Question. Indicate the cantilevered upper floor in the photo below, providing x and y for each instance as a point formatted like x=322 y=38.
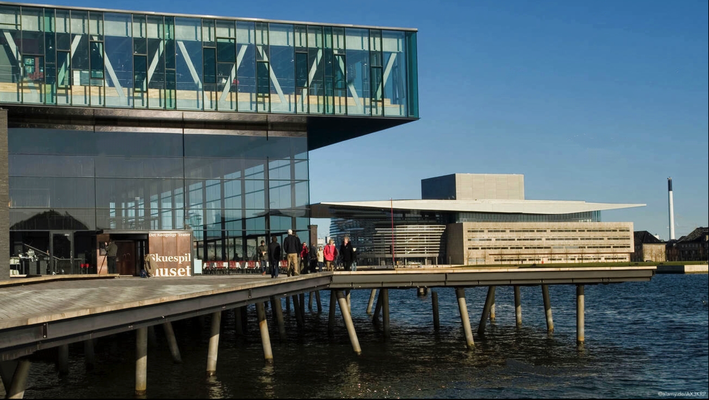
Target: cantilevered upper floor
x=97 y=58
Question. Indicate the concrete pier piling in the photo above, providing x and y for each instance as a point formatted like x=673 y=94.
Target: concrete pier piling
x=492 y=307
x=580 y=309
x=331 y=319
x=317 y=300
x=434 y=304
x=263 y=327
x=296 y=310
x=349 y=303
x=310 y=301
x=278 y=312
x=214 y=343
x=141 y=361
x=372 y=296
x=63 y=359
x=518 y=307
x=287 y=304
x=302 y=308
x=345 y=310
x=238 y=321
x=16 y=385
x=464 y=317
x=547 y=309
x=378 y=307
x=172 y=342
x=489 y=301
x=89 y=355
x=385 y=312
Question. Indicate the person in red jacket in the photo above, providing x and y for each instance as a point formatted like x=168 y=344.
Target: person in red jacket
x=304 y=257
x=330 y=253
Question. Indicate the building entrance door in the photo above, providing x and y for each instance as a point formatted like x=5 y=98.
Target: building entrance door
x=61 y=253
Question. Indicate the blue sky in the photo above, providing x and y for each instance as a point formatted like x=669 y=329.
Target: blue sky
x=599 y=100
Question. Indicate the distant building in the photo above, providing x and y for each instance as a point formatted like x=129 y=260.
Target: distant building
x=478 y=219
x=693 y=247
x=648 y=247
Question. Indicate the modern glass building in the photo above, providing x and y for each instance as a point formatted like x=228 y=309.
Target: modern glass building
x=119 y=124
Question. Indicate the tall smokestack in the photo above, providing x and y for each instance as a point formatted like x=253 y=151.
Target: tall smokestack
x=672 y=209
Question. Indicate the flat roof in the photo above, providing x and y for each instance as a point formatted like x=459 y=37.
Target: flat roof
x=550 y=207
x=204 y=16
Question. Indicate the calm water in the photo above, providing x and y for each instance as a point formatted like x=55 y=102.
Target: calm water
x=641 y=339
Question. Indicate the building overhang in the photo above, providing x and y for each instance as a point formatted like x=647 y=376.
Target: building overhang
x=548 y=207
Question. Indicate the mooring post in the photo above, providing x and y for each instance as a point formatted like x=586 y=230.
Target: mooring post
x=464 y=318
x=547 y=309
x=141 y=361
x=317 y=299
x=172 y=342
x=263 y=327
x=89 y=355
x=372 y=296
x=333 y=306
x=492 y=307
x=296 y=310
x=434 y=303
x=580 y=315
x=16 y=389
x=489 y=301
x=518 y=307
x=345 y=310
x=63 y=359
x=385 y=312
x=214 y=343
x=278 y=312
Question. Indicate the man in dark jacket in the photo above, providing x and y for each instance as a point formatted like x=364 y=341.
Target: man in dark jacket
x=291 y=246
x=347 y=253
x=274 y=256
x=313 y=258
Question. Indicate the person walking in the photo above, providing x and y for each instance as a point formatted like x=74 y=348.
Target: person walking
x=330 y=253
x=291 y=246
x=111 y=252
x=313 y=254
x=274 y=256
x=262 y=256
x=347 y=253
x=321 y=258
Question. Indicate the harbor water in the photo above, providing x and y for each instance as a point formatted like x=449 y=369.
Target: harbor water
x=645 y=339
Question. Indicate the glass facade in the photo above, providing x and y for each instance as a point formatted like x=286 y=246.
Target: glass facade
x=230 y=191
x=101 y=58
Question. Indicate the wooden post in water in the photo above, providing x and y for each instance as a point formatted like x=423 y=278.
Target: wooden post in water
x=518 y=307
x=263 y=327
x=434 y=303
x=345 y=310
x=287 y=304
x=372 y=296
x=317 y=299
x=310 y=301
x=302 y=308
x=385 y=312
x=547 y=309
x=278 y=312
x=489 y=301
x=214 y=343
x=172 y=342
x=89 y=356
x=16 y=385
x=333 y=306
x=63 y=359
x=580 y=315
x=464 y=318
x=141 y=361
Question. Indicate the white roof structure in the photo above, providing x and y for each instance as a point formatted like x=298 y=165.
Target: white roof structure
x=323 y=210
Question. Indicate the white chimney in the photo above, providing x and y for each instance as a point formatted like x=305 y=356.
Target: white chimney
x=672 y=209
